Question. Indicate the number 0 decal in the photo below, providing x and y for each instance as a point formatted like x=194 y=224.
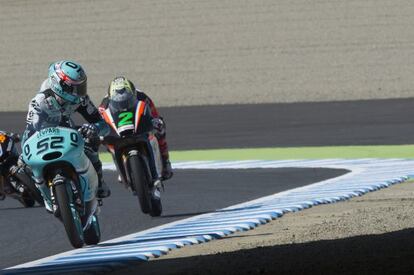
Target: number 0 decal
x=74 y=139
x=73 y=66
x=125 y=118
x=26 y=150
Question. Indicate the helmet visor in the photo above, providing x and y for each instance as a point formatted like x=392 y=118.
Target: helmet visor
x=79 y=90
x=122 y=100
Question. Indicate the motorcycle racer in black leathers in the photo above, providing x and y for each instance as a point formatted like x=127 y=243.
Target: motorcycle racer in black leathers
x=122 y=91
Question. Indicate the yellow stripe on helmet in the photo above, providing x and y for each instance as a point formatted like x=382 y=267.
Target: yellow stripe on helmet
x=119 y=83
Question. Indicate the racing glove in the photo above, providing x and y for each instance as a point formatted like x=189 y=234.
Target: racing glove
x=90 y=134
x=159 y=126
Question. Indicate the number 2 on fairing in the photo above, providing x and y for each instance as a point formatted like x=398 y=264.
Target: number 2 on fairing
x=125 y=118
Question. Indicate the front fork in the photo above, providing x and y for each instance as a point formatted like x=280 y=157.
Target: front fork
x=155 y=181
x=75 y=195
x=86 y=209
x=124 y=158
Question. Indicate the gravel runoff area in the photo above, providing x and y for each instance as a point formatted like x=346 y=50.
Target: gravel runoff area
x=372 y=234
x=197 y=52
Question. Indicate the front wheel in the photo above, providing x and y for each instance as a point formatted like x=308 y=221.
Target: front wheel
x=69 y=215
x=140 y=182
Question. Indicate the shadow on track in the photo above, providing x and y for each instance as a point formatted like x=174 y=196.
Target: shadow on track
x=186 y=214
x=19 y=208
x=389 y=253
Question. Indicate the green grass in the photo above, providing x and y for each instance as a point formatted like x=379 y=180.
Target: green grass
x=323 y=152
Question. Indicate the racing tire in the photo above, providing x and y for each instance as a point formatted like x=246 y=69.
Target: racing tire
x=27 y=201
x=30 y=187
x=92 y=235
x=140 y=182
x=156 y=207
x=34 y=192
x=69 y=215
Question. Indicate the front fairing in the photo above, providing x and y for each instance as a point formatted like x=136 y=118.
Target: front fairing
x=51 y=145
x=131 y=121
x=134 y=131
x=59 y=147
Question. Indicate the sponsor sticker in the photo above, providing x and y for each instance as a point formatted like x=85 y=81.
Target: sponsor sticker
x=48 y=132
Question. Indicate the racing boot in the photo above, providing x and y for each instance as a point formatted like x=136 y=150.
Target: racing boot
x=103 y=189
x=90 y=134
x=167 y=172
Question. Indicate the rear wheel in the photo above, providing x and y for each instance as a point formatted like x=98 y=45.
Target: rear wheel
x=34 y=192
x=69 y=215
x=140 y=182
x=156 y=206
x=27 y=201
x=92 y=235
x=23 y=176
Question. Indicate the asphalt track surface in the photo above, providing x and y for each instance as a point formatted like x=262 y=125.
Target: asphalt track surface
x=193 y=192
x=370 y=122
x=30 y=234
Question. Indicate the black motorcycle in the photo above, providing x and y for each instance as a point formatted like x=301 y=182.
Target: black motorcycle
x=15 y=179
x=134 y=148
